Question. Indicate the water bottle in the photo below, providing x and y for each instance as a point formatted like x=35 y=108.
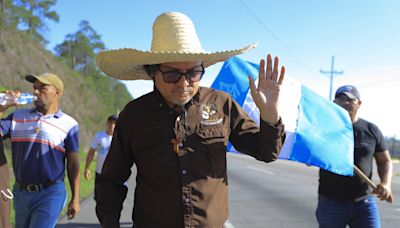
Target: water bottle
x=24 y=98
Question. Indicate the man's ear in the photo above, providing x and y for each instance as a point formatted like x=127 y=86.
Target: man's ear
x=58 y=92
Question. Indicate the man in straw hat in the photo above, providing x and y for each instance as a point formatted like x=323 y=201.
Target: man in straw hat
x=177 y=134
x=42 y=138
x=344 y=200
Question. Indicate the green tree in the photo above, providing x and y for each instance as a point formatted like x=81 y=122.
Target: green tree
x=32 y=15
x=79 y=50
x=9 y=14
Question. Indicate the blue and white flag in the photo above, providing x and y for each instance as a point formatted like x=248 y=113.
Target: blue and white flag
x=318 y=132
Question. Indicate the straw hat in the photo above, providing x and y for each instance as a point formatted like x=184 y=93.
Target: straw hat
x=174 y=40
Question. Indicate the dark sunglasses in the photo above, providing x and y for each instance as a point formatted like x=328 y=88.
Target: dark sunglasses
x=193 y=75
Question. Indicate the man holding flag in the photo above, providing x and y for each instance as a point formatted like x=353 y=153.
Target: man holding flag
x=177 y=135
x=320 y=133
x=345 y=200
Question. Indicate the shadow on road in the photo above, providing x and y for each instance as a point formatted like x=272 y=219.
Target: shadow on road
x=89 y=225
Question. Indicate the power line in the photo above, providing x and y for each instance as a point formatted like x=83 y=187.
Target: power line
x=332 y=72
x=275 y=36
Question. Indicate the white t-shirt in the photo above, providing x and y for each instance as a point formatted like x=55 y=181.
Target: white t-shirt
x=101 y=143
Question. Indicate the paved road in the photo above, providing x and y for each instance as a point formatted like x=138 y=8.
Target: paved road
x=87 y=217
x=280 y=194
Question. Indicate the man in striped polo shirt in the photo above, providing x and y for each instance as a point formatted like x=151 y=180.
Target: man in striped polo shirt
x=42 y=138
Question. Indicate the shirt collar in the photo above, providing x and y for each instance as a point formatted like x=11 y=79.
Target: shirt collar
x=57 y=115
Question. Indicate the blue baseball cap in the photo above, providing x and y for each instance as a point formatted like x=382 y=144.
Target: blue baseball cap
x=349 y=90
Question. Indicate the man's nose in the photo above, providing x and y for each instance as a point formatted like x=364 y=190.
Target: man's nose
x=183 y=81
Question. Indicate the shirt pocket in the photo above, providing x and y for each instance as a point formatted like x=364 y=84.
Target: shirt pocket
x=211 y=133
x=211 y=152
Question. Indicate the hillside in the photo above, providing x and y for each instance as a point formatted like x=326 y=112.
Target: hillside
x=88 y=99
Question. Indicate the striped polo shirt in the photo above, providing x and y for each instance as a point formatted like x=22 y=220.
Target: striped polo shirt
x=40 y=144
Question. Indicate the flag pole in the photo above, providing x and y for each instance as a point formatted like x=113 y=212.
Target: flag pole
x=364 y=177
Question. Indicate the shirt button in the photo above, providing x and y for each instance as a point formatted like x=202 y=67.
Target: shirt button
x=187 y=200
x=180 y=144
x=184 y=172
x=178 y=118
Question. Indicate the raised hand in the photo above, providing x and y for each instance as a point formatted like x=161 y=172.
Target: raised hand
x=14 y=93
x=266 y=94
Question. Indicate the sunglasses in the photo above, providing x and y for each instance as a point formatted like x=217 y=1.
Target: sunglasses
x=193 y=75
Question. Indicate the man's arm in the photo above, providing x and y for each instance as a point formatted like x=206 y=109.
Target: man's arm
x=73 y=177
x=89 y=159
x=110 y=188
x=385 y=171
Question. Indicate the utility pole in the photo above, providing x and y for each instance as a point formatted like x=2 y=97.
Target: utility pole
x=331 y=72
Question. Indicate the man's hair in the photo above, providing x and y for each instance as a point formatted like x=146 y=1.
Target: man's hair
x=151 y=69
x=112 y=118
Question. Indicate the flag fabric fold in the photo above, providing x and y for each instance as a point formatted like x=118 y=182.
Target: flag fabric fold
x=318 y=132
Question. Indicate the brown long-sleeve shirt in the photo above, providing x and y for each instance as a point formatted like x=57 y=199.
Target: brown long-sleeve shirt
x=181 y=159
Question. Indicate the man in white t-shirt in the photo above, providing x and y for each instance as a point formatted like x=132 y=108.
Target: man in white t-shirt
x=101 y=143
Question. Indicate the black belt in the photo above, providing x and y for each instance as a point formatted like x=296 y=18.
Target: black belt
x=364 y=197
x=361 y=198
x=36 y=187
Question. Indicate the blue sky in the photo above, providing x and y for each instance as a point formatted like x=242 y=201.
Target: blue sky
x=362 y=35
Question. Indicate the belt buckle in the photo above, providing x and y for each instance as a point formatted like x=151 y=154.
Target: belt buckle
x=361 y=198
x=33 y=187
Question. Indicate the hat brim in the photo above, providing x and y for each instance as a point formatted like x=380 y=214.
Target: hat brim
x=32 y=78
x=350 y=95
x=127 y=63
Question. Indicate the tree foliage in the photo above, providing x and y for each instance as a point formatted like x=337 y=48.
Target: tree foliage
x=78 y=50
x=28 y=15
x=8 y=14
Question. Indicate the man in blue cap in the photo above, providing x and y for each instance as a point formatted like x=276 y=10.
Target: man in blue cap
x=345 y=200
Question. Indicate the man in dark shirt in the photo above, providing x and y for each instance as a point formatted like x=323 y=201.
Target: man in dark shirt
x=177 y=134
x=345 y=200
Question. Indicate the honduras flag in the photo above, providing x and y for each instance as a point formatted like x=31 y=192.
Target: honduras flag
x=318 y=132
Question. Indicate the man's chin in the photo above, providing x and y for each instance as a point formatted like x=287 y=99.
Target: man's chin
x=183 y=101
x=39 y=105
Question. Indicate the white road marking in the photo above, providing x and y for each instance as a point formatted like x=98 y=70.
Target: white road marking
x=260 y=170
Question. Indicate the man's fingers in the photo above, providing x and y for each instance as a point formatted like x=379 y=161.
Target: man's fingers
x=274 y=75
x=282 y=76
x=71 y=213
x=269 y=63
x=261 y=73
x=253 y=89
x=390 y=198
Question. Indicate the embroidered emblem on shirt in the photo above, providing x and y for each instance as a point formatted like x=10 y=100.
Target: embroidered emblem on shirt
x=208 y=113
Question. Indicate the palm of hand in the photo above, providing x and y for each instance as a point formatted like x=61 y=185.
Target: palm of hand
x=268 y=89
